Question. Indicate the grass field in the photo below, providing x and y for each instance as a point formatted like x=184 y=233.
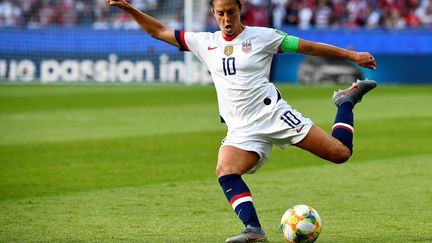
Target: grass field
x=136 y=164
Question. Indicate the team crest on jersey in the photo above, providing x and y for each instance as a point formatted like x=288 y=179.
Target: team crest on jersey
x=247 y=46
x=229 y=50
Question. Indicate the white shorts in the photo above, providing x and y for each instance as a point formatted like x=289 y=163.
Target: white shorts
x=283 y=127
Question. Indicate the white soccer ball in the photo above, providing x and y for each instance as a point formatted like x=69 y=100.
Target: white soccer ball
x=301 y=223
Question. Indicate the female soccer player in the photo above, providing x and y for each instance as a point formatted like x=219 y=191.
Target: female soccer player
x=239 y=59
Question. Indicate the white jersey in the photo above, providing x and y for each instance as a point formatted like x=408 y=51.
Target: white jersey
x=240 y=69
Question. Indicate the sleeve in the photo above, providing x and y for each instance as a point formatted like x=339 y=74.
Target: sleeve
x=192 y=41
x=180 y=37
x=270 y=39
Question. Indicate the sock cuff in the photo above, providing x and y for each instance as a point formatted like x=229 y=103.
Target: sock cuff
x=229 y=177
x=342 y=125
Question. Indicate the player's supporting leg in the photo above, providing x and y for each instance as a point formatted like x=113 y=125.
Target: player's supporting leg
x=240 y=198
x=232 y=163
x=345 y=100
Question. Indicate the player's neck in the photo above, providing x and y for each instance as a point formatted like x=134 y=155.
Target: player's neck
x=232 y=37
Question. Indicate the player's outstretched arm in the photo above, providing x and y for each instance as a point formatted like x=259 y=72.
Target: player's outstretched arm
x=364 y=59
x=149 y=24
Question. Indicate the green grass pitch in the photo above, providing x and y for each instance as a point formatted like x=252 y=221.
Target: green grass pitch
x=136 y=163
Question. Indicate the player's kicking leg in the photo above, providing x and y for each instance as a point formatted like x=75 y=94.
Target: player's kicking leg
x=338 y=147
x=345 y=100
x=355 y=93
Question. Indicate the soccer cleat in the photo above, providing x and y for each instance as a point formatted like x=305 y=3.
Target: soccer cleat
x=250 y=234
x=355 y=93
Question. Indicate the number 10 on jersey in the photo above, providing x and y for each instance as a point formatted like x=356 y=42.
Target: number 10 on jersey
x=229 y=66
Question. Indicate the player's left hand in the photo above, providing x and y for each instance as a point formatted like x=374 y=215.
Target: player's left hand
x=365 y=59
x=123 y=4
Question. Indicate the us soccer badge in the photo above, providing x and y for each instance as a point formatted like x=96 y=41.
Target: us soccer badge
x=247 y=46
x=229 y=50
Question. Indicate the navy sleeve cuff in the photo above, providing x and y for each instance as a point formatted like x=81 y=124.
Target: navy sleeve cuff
x=179 y=35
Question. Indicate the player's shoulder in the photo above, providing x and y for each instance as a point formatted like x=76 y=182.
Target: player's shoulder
x=260 y=30
x=200 y=34
x=204 y=36
x=263 y=33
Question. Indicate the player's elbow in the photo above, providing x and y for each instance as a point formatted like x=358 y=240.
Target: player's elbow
x=160 y=33
x=154 y=35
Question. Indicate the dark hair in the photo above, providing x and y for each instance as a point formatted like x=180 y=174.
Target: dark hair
x=237 y=1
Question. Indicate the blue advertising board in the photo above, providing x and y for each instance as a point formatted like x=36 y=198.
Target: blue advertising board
x=83 y=54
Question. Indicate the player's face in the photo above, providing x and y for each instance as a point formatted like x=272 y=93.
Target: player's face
x=227 y=14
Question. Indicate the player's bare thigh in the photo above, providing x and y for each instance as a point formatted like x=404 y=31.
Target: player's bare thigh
x=232 y=160
x=324 y=145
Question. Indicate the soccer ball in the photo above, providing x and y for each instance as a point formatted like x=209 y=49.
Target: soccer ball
x=301 y=223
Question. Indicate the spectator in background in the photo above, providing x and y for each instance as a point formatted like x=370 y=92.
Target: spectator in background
x=101 y=23
x=84 y=12
x=65 y=14
x=408 y=13
x=145 y=4
x=256 y=13
x=139 y=4
x=121 y=20
x=339 y=15
x=101 y=14
x=323 y=14
x=305 y=15
x=374 y=18
x=278 y=12
x=10 y=13
x=411 y=19
x=291 y=13
x=424 y=12
x=26 y=8
x=357 y=12
x=46 y=13
x=392 y=18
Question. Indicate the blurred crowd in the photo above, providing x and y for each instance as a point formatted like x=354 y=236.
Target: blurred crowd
x=389 y=14
x=42 y=13
x=339 y=13
x=275 y=13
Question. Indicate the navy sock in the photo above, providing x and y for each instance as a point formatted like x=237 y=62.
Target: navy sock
x=240 y=198
x=343 y=128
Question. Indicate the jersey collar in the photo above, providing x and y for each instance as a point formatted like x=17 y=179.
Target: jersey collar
x=231 y=38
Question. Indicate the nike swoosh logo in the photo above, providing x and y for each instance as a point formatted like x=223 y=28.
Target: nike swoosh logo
x=239 y=212
x=211 y=48
x=354 y=88
x=298 y=130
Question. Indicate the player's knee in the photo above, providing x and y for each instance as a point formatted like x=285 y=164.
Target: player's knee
x=222 y=170
x=219 y=171
x=340 y=155
x=341 y=159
